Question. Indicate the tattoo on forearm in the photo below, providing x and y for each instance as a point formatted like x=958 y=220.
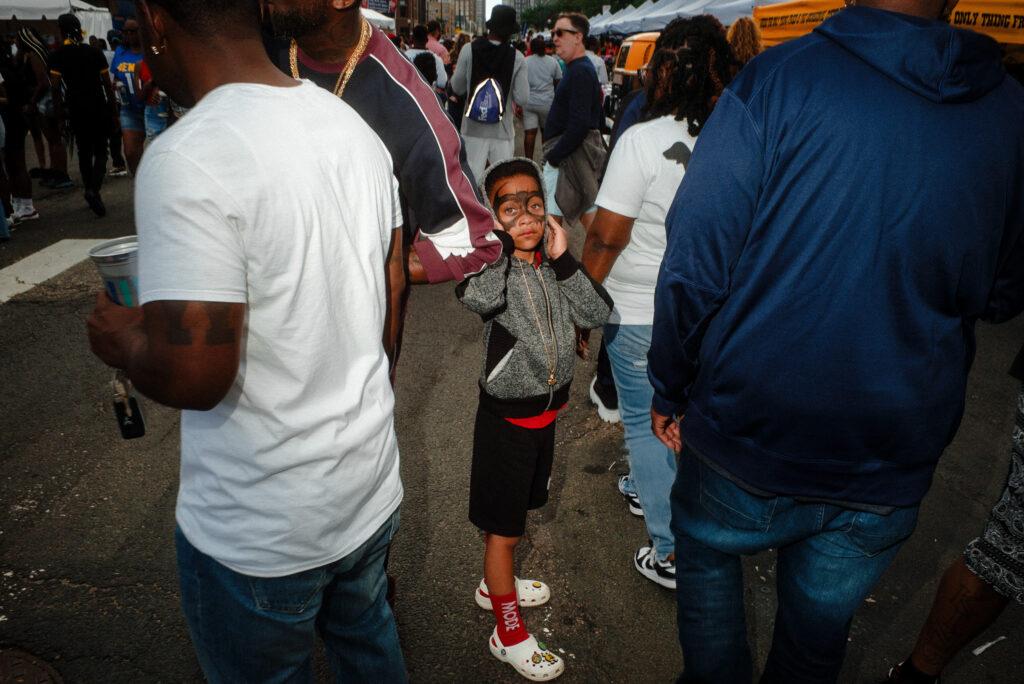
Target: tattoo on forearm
x=178 y=334
x=221 y=331
x=184 y=318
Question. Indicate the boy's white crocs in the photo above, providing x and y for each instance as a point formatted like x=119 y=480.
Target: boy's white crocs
x=531 y=593
x=530 y=658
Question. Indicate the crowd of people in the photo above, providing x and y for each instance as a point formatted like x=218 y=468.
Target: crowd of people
x=68 y=93
x=786 y=268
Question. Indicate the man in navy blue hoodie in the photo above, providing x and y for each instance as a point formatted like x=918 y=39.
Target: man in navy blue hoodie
x=853 y=206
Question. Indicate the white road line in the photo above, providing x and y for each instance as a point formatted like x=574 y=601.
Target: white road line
x=37 y=268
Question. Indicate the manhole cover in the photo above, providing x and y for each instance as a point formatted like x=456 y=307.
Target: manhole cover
x=18 y=667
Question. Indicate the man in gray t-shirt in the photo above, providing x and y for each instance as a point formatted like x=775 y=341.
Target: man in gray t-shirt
x=543 y=73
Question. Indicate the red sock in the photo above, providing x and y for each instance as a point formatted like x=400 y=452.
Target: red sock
x=511 y=628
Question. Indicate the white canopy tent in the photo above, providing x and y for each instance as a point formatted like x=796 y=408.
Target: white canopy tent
x=381 y=21
x=614 y=24
x=96 y=21
x=600 y=26
x=33 y=10
x=631 y=24
x=726 y=11
x=659 y=18
x=597 y=18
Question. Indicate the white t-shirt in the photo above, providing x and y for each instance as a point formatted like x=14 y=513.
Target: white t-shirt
x=282 y=199
x=643 y=174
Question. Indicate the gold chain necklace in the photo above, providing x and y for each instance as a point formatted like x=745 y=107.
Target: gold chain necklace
x=350 y=66
x=550 y=356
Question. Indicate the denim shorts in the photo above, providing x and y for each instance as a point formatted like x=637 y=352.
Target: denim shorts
x=132 y=119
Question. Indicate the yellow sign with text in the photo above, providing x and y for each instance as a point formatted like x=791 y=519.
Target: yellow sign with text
x=1003 y=20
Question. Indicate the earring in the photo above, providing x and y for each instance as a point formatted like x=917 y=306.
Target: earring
x=157 y=51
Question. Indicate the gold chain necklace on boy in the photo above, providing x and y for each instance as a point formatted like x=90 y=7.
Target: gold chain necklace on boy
x=364 y=39
x=551 y=357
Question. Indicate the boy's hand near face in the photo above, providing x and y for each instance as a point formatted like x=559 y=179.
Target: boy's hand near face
x=556 y=240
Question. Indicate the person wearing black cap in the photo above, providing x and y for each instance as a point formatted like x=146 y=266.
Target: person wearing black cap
x=87 y=100
x=491 y=59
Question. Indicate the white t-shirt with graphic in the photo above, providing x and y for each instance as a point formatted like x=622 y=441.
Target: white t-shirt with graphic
x=282 y=199
x=643 y=174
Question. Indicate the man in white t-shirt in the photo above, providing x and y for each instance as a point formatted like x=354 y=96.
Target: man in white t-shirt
x=265 y=219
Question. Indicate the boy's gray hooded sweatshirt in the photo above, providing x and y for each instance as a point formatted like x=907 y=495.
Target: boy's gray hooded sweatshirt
x=529 y=317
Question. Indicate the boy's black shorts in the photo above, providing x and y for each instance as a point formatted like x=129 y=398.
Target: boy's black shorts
x=510 y=475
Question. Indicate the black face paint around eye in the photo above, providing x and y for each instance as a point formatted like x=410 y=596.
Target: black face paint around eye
x=529 y=202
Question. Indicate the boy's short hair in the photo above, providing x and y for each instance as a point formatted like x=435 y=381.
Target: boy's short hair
x=517 y=166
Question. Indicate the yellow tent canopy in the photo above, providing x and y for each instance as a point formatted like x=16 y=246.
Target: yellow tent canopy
x=1000 y=19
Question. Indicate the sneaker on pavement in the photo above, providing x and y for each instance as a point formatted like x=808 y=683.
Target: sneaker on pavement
x=607 y=402
x=661 y=572
x=118 y=172
x=632 y=500
x=22 y=215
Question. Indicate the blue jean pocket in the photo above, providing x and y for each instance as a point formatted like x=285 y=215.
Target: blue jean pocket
x=291 y=594
x=872 y=534
x=732 y=505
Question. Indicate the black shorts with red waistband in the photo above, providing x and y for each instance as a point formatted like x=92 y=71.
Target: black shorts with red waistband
x=511 y=473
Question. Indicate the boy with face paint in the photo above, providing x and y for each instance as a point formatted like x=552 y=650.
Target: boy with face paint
x=531 y=300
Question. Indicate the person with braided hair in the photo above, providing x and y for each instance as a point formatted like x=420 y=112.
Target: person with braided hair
x=625 y=246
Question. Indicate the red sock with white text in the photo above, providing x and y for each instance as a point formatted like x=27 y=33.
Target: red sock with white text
x=511 y=628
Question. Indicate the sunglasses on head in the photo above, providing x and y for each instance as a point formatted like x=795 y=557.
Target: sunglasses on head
x=560 y=32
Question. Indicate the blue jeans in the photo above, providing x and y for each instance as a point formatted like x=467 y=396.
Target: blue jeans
x=829 y=558
x=256 y=629
x=652 y=465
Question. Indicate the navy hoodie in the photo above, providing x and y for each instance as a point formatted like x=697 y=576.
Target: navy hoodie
x=854 y=204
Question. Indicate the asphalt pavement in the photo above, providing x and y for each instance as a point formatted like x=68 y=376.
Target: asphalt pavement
x=87 y=573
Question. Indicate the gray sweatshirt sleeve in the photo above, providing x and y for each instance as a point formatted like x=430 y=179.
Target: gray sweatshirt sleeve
x=463 y=69
x=484 y=293
x=589 y=303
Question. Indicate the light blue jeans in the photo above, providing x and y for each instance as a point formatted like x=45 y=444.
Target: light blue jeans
x=652 y=465
x=258 y=629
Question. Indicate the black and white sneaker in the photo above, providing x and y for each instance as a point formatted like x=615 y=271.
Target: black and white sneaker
x=632 y=500
x=606 y=401
x=660 y=572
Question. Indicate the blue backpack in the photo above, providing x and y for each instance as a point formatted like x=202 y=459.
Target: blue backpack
x=490 y=80
x=487 y=105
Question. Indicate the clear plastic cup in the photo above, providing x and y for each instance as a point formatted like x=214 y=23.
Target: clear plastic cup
x=118 y=264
